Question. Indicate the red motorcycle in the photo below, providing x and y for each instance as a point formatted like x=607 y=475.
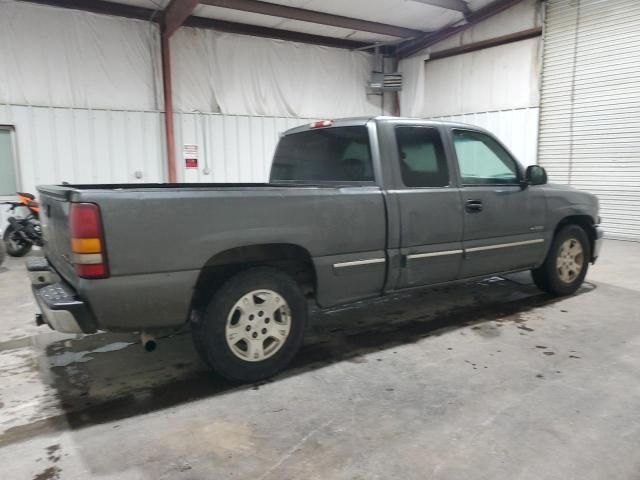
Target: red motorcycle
x=23 y=232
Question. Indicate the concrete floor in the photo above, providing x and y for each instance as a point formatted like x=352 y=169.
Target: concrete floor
x=489 y=381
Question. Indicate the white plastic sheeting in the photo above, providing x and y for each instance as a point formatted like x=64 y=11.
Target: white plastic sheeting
x=413 y=88
x=243 y=75
x=517 y=129
x=497 y=78
x=67 y=58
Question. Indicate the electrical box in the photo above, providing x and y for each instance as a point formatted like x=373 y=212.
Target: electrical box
x=385 y=82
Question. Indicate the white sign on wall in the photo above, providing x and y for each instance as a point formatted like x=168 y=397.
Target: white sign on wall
x=190 y=152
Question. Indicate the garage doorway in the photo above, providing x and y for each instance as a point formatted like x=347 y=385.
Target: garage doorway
x=8 y=170
x=590 y=105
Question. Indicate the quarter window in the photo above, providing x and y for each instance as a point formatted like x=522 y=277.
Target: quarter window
x=482 y=160
x=422 y=159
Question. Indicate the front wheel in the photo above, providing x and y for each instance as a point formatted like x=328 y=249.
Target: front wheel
x=16 y=245
x=567 y=262
x=253 y=325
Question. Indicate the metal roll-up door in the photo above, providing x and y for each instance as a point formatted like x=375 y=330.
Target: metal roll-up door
x=590 y=105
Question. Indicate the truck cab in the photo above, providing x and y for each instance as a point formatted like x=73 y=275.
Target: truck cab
x=458 y=204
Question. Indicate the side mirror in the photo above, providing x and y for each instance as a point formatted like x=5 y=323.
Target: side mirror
x=535 y=175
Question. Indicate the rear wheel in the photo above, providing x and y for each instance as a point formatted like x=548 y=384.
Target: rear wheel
x=16 y=246
x=253 y=326
x=3 y=252
x=567 y=262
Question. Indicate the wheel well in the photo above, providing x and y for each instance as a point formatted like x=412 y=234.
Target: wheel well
x=584 y=221
x=291 y=259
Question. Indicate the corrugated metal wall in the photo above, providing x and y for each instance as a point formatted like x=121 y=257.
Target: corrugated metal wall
x=110 y=146
x=517 y=129
x=589 y=125
x=85 y=146
x=231 y=148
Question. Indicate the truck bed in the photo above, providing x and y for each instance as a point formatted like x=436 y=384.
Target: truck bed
x=159 y=237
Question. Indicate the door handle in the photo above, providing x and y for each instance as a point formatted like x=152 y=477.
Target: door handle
x=473 y=206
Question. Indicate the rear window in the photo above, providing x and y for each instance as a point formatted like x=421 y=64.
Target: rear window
x=330 y=154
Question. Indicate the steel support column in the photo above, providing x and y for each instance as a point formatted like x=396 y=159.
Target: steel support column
x=168 y=106
x=172 y=18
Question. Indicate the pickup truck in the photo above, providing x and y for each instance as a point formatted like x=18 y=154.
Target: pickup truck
x=354 y=209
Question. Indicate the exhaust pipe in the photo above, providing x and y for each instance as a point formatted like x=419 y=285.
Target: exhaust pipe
x=148 y=342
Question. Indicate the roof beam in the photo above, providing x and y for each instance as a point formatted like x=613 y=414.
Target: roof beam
x=411 y=47
x=457 y=5
x=176 y=13
x=101 y=6
x=312 y=16
x=257 y=31
x=483 y=44
x=127 y=11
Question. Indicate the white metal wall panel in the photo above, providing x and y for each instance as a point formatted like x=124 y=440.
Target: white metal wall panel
x=517 y=129
x=109 y=146
x=85 y=146
x=590 y=107
x=231 y=148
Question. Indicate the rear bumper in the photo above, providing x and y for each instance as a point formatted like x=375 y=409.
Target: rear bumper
x=597 y=242
x=61 y=308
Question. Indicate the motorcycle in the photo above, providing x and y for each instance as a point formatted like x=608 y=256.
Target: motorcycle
x=23 y=233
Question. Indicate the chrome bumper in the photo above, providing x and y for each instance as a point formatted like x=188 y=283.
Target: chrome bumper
x=597 y=242
x=58 y=302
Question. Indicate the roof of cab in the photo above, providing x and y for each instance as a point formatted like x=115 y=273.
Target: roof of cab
x=357 y=121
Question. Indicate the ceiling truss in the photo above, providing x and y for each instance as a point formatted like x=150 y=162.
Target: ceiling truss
x=178 y=13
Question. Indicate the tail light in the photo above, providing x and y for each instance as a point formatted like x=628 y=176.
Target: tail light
x=321 y=124
x=87 y=241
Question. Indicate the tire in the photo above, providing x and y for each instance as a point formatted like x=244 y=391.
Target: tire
x=3 y=253
x=254 y=344
x=566 y=264
x=16 y=247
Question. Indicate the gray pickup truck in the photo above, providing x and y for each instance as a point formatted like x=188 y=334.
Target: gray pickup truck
x=354 y=209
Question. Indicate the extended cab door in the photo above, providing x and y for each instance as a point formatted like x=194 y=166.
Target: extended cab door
x=503 y=219
x=428 y=205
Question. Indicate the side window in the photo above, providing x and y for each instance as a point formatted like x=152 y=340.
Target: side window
x=482 y=160
x=422 y=159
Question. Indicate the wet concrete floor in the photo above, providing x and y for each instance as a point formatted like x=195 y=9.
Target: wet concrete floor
x=489 y=380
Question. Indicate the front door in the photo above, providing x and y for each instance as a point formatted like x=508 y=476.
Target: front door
x=429 y=206
x=503 y=220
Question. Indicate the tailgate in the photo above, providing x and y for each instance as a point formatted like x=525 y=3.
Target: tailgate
x=54 y=216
